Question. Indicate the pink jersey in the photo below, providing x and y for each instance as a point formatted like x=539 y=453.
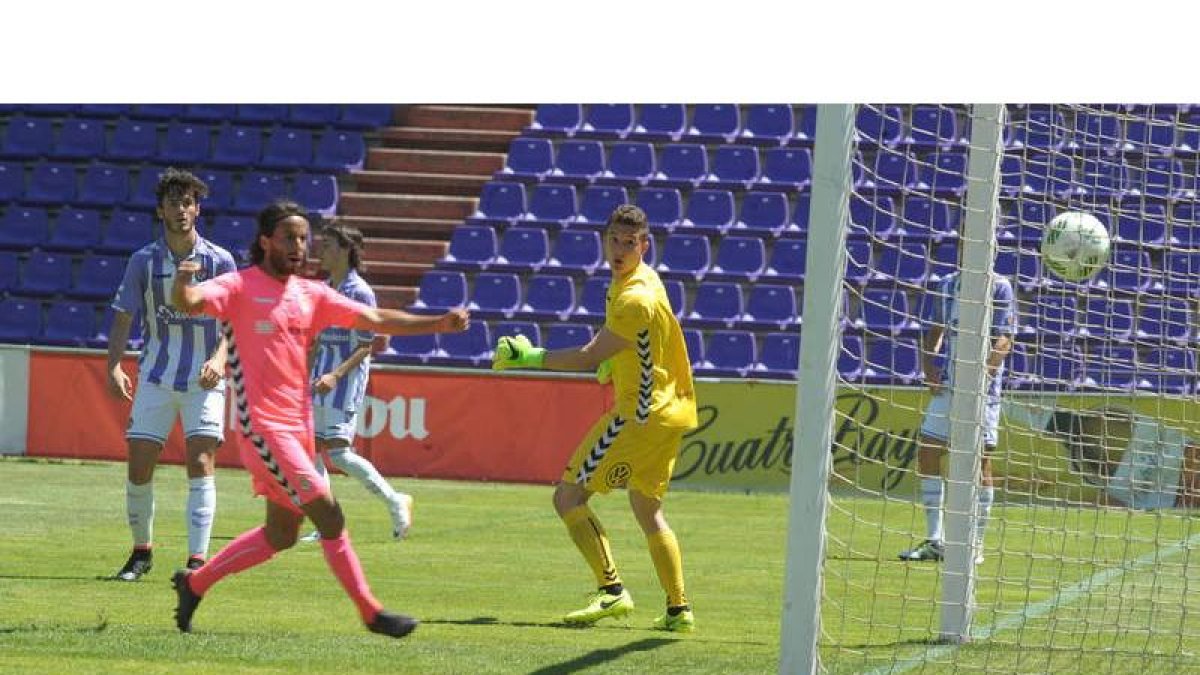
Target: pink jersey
x=274 y=324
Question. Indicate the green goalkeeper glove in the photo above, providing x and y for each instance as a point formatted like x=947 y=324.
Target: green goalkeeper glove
x=604 y=372
x=517 y=352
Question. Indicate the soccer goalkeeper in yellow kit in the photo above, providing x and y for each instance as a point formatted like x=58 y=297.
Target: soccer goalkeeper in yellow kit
x=635 y=444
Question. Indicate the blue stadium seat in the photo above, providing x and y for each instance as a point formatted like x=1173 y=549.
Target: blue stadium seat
x=709 y=212
x=220 y=189
x=1020 y=373
x=932 y=127
x=98 y=279
x=881 y=127
x=676 y=296
x=51 y=184
x=786 y=169
x=1163 y=322
x=522 y=250
x=313 y=114
x=105 y=110
x=789 y=258
x=12 y=181
x=577 y=251
x=1182 y=272
x=79 y=138
x=513 y=328
x=663 y=207
x=693 y=340
x=718 y=304
x=609 y=121
x=20 y=320
x=872 y=218
x=1053 y=318
x=729 y=353
x=51 y=109
x=1185 y=225
x=9 y=281
x=1129 y=270
x=892 y=361
x=763 y=214
x=467 y=349
x=495 y=295
x=209 y=112
x=903 y=263
x=926 y=218
x=1058 y=367
x=441 y=290
x=104 y=185
x=366 y=115
x=316 y=192
x=893 y=173
x=257 y=190
x=1154 y=134
x=237 y=147
x=1012 y=175
x=548 y=298
x=734 y=167
x=768 y=125
x=806 y=125
x=858 y=260
x=944 y=261
x=500 y=203
x=660 y=122
x=141 y=195
x=1096 y=132
x=339 y=151
x=597 y=204
x=577 y=162
x=780 y=357
x=45 y=273
x=556 y=119
x=565 y=335
x=1166 y=178
x=771 y=307
x=850 y=358
x=1049 y=174
x=233 y=233
x=1147 y=226
x=414 y=349
x=186 y=144
x=24 y=228
x=1171 y=369
x=27 y=138
x=1042 y=129
x=738 y=259
x=591 y=307
x=685 y=256
x=287 y=149
x=1103 y=178
x=550 y=207
x=714 y=123
x=133 y=141
x=630 y=164
x=1107 y=318
x=887 y=311
x=127 y=231
x=262 y=113
x=157 y=111
x=681 y=165
x=528 y=160
x=69 y=324
x=945 y=174
x=75 y=230
x=472 y=248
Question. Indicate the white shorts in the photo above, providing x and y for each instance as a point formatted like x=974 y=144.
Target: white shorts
x=331 y=423
x=155 y=408
x=936 y=423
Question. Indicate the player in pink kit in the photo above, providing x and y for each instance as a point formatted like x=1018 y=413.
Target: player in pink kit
x=272 y=319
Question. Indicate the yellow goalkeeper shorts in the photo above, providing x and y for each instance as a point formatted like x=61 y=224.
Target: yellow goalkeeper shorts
x=618 y=452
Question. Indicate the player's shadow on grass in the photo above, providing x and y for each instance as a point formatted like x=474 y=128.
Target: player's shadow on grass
x=599 y=657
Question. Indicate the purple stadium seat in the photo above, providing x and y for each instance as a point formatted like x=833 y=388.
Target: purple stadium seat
x=1166 y=178
x=1163 y=322
x=513 y=328
x=233 y=233
x=75 y=230
x=1182 y=272
x=676 y=295
x=23 y=228
x=415 y=349
x=45 y=273
x=577 y=251
x=718 y=304
x=591 y=305
x=1107 y=319
x=886 y=311
x=738 y=259
x=892 y=361
x=556 y=119
x=714 y=123
x=663 y=207
x=708 y=212
x=20 y=320
x=467 y=349
x=693 y=340
x=1155 y=134
x=786 y=169
x=256 y=190
x=12 y=181
x=69 y=324
x=79 y=138
x=262 y=113
x=1053 y=319
x=366 y=115
x=104 y=185
x=51 y=184
x=926 y=218
x=157 y=111
x=806 y=125
x=27 y=138
x=903 y=263
x=872 y=218
x=768 y=125
x=685 y=256
x=133 y=141
x=944 y=261
x=577 y=162
x=1042 y=129
x=734 y=167
x=500 y=203
x=220 y=189
x=186 y=144
x=9 y=281
x=597 y=204
x=1103 y=178
x=763 y=214
x=127 y=231
x=287 y=149
x=1171 y=369
x=209 y=112
x=237 y=147
x=313 y=114
x=660 y=122
x=1147 y=225
x=879 y=126
x=789 y=258
x=316 y=192
x=1130 y=270
x=729 y=353
x=550 y=207
x=441 y=290
x=339 y=151
x=780 y=357
x=858 y=260
x=105 y=110
x=548 y=298
x=528 y=160
x=894 y=173
x=522 y=250
x=607 y=121
x=472 y=248
x=771 y=307
x=945 y=174
x=1095 y=132
x=681 y=165
x=565 y=335
x=850 y=359
x=496 y=295
x=629 y=164
x=99 y=276
x=932 y=127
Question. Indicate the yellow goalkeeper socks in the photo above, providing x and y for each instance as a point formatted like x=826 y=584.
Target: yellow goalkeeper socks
x=588 y=535
x=664 y=551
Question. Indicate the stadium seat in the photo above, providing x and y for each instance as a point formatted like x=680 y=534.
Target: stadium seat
x=1012 y=175
x=105 y=110
x=1095 y=132
x=858 y=259
x=608 y=121
x=234 y=234
x=441 y=290
x=874 y=219
x=237 y=147
x=366 y=116
x=522 y=250
x=186 y=144
x=718 y=304
x=1053 y=318
x=528 y=160
x=660 y=122
x=75 y=230
x=79 y=138
x=591 y=307
x=630 y=164
x=685 y=256
x=556 y=119
x=734 y=167
x=892 y=174
x=767 y=125
x=467 y=349
x=287 y=149
x=9 y=281
x=932 y=127
x=1165 y=178
x=51 y=184
x=220 y=189
x=903 y=263
x=133 y=141
x=879 y=126
x=127 y=231
x=1150 y=134
x=339 y=151
x=709 y=211
x=1147 y=226
x=681 y=165
x=24 y=228
x=729 y=353
x=926 y=218
x=892 y=361
x=850 y=358
x=548 y=297
x=313 y=114
x=789 y=258
x=27 y=138
x=209 y=112
x=663 y=207
x=98 y=279
x=1185 y=225
x=786 y=169
x=763 y=214
x=496 y=295
x=1162 y=322
x=577 y=162
x=413 y=349
x=12 y=181
x=1171 y=369
x=472 y=248
x=1019 y=369
x=577 y=251
x=157 y=111
x=806 y=125
x=693 y=340
x=597 y=204
x=740 y=259
x=551 y=207
x=257 y=190
x=1042 y=129
x=886 y=311
x=944 y=174
x=1103 y=178
x=565 y=335
x=104 y=185
x=513 y=328
x=771 y=307
x=714 y=123
x=1182 y=273
x=944 y=261
x=316 y=192
x=500 y=203
x=676 y=296
x=780 y=357
x=20 y=320
x=45 y=273
x=262 y=113
x=1048 y=174
x=142 y=193
x=1129 y=270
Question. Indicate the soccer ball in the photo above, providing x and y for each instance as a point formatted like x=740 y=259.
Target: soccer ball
x=1075 y=246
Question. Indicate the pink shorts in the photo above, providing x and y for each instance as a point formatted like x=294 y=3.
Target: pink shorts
x=281 y=467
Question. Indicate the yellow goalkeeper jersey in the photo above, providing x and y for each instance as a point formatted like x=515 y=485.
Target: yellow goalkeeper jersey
x=653 y=381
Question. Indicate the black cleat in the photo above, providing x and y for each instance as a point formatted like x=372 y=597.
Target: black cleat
x=140 y=562
x=395 y=625
x=188 y=601
x=194 y=562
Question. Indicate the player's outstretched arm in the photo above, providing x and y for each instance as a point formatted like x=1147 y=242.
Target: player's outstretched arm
x=397 y=322
x=519 y=352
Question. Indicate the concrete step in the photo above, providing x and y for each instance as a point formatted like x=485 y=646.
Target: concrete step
x=478 y=140
x=409 y=183
x=406 y=228
x=395 y=297
x=404 y=250
x=395 y=273
x=437 y=207
x=434 y=161
x=464 y=117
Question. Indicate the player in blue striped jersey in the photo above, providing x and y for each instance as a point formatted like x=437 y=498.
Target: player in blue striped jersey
x=180 y=371
x=940 y=323
x=341 y=364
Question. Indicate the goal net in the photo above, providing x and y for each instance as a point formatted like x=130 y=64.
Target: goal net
x=1078 y=555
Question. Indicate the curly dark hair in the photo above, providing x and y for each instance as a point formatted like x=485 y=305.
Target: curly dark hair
x=177 y=182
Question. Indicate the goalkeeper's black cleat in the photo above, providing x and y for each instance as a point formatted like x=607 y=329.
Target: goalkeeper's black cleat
x=394 y=625
x=188 y=601
x=140 y=562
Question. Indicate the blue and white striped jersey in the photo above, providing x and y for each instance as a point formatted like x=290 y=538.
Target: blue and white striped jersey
x=335 y=345
x=175 y=345
x=942 y=310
